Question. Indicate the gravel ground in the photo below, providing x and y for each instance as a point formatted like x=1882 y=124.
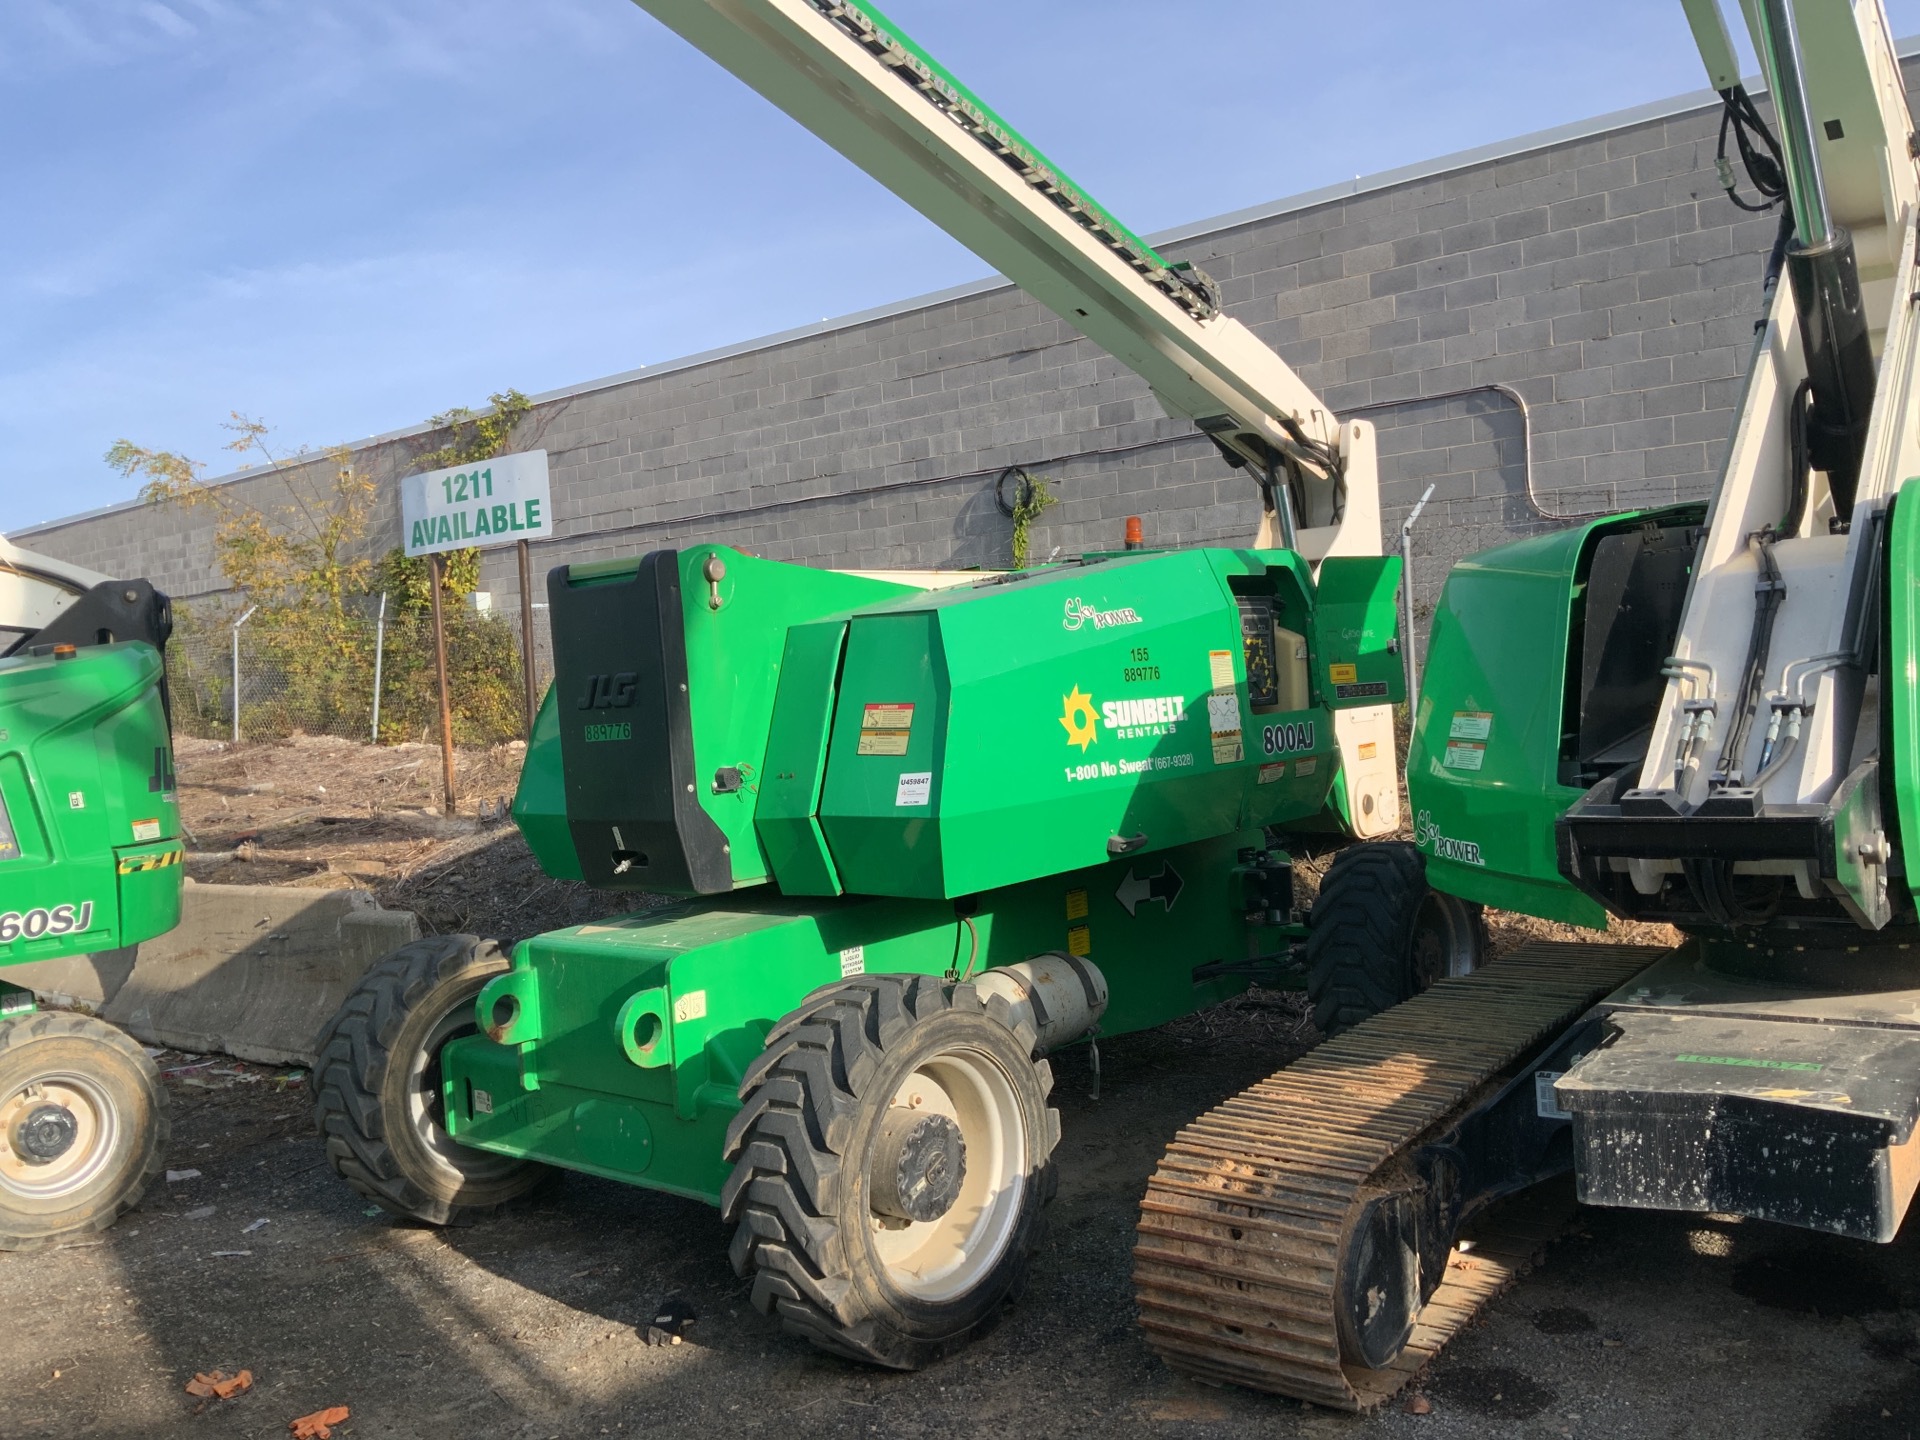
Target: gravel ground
x=524 y=1324
x=529 y=1323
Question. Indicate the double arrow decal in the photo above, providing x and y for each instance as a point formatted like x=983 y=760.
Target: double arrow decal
x=1135 y=891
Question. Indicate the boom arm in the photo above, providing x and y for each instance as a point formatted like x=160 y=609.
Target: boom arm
x=854 y=79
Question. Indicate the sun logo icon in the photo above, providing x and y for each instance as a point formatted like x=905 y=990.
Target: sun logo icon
x=1078 y=718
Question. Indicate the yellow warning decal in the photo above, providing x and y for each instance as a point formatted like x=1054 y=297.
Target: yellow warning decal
x=159 y=860
x=1342 y=674
x=1076 y=904
x=885 y=729
x=1079 y=940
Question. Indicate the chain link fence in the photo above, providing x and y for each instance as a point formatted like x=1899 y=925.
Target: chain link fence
x=297 y=672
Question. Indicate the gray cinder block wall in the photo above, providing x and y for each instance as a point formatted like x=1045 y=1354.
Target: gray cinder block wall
x=1598 y=273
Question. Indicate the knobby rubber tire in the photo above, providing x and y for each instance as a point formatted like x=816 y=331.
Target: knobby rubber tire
x=811 y=1104
x=1360 y=941
x=49 y=1042
x=369 y=1057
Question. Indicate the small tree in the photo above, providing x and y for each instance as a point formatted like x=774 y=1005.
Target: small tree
x=302 y=556
x=303 y=563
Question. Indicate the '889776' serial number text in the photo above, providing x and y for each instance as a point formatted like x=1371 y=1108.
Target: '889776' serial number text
x=33 y=924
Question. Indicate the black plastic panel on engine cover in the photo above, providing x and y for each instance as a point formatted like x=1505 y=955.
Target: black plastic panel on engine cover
x=626 y=733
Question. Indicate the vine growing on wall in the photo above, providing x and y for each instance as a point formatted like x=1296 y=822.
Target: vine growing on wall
x=1032 y=500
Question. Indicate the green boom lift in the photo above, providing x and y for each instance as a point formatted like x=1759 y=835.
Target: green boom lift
x=89 y=861
x=929 y=827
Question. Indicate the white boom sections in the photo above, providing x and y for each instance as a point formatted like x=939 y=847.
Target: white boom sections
x=877 y=99
x=34 y=589
x=1813 y=716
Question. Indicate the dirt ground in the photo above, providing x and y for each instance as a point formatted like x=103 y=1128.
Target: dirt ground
x=529 y=1323
x=319 y=811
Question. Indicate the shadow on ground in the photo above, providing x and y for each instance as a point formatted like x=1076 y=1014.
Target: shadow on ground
x=527 y=1324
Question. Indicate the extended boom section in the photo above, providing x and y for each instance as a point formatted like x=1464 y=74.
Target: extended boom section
x=852 y=77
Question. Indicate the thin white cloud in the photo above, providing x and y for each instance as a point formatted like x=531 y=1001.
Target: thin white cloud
x=166 y=19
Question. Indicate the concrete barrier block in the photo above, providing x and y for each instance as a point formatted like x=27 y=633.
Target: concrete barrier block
x=79 y=982
x=252 y=970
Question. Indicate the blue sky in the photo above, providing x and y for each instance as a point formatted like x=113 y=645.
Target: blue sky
x=342 y=217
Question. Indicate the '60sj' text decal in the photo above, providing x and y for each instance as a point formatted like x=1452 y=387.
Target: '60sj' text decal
x=32 y=924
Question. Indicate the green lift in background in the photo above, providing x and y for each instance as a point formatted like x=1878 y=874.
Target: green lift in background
x=90 y=861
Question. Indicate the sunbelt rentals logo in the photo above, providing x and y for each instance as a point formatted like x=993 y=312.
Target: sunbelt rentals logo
x=1083 y=718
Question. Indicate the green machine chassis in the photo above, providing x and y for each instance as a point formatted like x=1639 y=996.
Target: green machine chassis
x=1536 y=681
x=924 y=798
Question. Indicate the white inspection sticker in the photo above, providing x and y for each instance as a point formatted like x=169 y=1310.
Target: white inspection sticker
x=915 y=788
x=1543 y=1098
x=690 y=1006
x=1470 y=725
x=1223 y=719
x=853 y=961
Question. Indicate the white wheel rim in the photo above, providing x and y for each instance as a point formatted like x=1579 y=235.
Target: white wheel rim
x=424 y=1102
x=1448 y=949
x=96 y=1130
x=942 y=1259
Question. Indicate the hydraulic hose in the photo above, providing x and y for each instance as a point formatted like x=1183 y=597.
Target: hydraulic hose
x=1799 y=462
x=1824 y=274
x=1769 y=593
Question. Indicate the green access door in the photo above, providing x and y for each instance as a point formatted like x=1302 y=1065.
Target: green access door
x=1356 y=631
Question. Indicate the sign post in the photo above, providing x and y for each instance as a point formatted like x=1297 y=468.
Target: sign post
x=440 y=674
x=484 y=503
x=526 y=636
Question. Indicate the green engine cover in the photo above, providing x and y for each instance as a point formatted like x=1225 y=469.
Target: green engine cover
x=1486 y=766
x=89 y=827
x=1002 y=732
x=719 y=721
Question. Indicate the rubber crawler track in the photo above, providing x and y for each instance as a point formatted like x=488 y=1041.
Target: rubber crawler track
x=1244 y=1220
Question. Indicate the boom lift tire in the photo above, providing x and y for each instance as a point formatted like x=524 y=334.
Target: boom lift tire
x=83 y=1127
x=1380 y=934
x=377 y=1085
x=846 y=1136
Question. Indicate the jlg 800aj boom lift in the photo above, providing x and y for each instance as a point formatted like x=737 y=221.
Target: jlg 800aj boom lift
x=931 y=828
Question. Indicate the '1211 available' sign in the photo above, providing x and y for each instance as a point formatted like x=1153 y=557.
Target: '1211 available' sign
x=488 y=502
